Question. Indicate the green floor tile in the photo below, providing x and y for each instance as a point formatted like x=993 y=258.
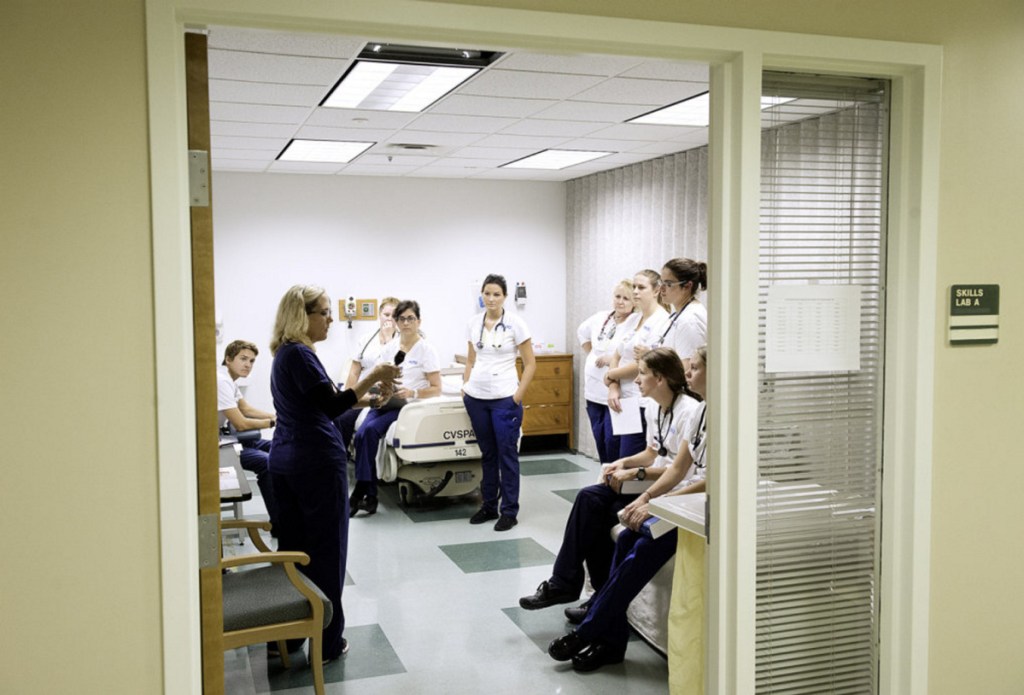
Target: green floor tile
x=498 y=555
x=568 y=495
x=370 y=655
x=548 y=467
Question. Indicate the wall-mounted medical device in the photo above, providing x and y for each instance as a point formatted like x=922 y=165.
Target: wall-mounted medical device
x=520 y=294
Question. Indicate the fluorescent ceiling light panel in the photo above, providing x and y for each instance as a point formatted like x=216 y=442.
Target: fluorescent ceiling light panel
x=384 y=86
x=323 y=151
x=555 y=159
x=693 y=111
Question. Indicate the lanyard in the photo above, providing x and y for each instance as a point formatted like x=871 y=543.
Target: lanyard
x=699 y=436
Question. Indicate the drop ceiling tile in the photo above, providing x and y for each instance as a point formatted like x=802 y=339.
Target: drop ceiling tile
x=255 y=113
x=675 y=71
x=228 y=142
x=526 y=174
x=578 y=64
x=600 y=144
x=534 y=142
x=230 y=164
x=466 y=164
x=256 y=130
x=659 y=148
x=441 y=172
x=536 y=126
x=423 y=137
x=360 y=118
x=461 y=124
x=397 y=160
x=528 y=85
x=622 y=90
x=465 y=105
x=300 y=44
x=635 y=131
x=283 y=69
x=233 y=91
x=495 y=154
x=594 y=111
x=305 y=167
x=354 y=134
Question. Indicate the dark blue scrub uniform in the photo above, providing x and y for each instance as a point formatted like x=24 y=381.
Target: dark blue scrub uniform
x=307 y=464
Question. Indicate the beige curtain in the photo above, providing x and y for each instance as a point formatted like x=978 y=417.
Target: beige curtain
x=622 y=221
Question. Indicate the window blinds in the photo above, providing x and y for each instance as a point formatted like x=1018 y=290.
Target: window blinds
x=823 y=177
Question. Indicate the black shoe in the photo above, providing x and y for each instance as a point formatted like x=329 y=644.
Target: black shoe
x=483 y=515
x=547 y=595
x=566 y=647
x=368 y=504
x=505 y=523
x=595 y=656
x=576 y=614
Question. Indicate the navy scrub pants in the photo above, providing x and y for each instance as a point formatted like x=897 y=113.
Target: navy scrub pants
x=601 y=426
x=255 y=457
x=373 y=429
x=637 y=559
x=587 y=538
x=313 y=509
x=496 y=423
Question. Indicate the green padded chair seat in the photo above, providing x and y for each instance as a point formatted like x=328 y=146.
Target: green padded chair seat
x=265 y=596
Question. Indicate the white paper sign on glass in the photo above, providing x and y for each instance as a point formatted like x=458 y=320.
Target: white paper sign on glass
x=813 y=328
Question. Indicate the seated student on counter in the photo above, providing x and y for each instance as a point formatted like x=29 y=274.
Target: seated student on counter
x=594 y=513
x=603 y=632
x=239 y=358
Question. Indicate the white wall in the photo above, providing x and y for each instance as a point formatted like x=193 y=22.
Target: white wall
x=432 y=240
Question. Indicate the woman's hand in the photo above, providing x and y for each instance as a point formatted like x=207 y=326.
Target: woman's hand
x=614 y=392
x=386 y=374
x=602 y=361
x=639 y=350
x=608 y=472
x=636 y=513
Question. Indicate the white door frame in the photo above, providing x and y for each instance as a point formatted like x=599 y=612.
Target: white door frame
x=738 y=57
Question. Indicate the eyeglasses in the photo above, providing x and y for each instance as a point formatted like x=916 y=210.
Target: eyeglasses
x=326 y=313
x=672 y=283
x=407 y=319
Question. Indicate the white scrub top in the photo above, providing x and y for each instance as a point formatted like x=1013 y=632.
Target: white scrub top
x=604 y=335
x=494 y=372
x=648 y=334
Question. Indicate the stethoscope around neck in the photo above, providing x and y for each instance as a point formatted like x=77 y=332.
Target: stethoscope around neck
x=483 y=324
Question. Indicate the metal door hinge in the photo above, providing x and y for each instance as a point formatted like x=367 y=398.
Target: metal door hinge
x=209 y=541
x=198 y=178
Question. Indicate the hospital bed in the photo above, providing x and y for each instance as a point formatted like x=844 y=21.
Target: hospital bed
x=430 y=450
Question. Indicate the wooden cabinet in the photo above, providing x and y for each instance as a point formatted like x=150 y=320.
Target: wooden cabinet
x=547 y=407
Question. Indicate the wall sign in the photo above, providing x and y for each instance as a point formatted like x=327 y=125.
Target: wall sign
x=973 y=314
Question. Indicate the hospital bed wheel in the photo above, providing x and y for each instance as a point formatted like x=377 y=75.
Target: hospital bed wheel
x=405 y=494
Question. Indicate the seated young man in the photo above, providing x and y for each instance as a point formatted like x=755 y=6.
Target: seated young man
x=239 y=357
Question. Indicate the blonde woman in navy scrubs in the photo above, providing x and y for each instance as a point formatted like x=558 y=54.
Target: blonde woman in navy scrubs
x=493 y=394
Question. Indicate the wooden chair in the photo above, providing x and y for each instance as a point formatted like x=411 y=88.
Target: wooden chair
x=273 y=603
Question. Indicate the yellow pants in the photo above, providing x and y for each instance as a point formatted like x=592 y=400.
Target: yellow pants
x=686 y=618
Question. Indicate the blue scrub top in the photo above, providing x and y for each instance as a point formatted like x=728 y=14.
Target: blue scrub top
x=304 y=437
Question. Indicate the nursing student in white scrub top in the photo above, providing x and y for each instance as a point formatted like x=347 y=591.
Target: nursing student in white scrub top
x=366 y=359
x=599 y=335
x=641 y=332
x=421 y=378
x=687 y=328
x=493 y=395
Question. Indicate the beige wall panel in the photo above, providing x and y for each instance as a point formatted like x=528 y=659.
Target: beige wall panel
x=79 y=580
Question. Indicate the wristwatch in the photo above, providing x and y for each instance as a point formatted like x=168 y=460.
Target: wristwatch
x=641 y=473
